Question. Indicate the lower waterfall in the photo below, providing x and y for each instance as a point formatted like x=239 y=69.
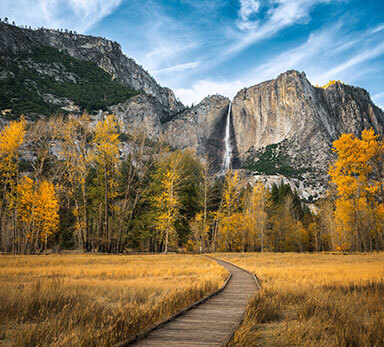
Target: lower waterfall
x=227 y=141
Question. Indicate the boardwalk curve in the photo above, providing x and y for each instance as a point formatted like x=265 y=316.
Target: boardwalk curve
x=212 y=322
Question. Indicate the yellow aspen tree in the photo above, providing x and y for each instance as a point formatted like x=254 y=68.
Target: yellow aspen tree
x=11 y=138
x=107 y=156
x=168 y=202
x=46 y=211
x=40 y=139
x=200 y=229
x=195 y=243
x=256 y=203
x=290 y=227
x=25 y=208
x=357 y=188
x=38 y=208
x=201 y=219
x=343 y=176
x=240 y=225
x=229 y=206
x=327 y=223
x=75 y=148
x=374 y=190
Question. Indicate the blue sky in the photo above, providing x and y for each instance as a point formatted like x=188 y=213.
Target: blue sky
x=199 y=48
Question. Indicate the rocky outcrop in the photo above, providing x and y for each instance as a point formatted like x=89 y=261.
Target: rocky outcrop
x=351 y=109
x=105 y=53
x=140 y=111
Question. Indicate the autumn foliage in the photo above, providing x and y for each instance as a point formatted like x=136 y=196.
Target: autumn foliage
x=330 y=83
x=65 y=183
x=359 y=206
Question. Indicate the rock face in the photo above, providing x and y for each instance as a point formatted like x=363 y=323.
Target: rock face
x=202 y=127
x=289 y=107
x=287 y=126
x=141 y=111
x=106 y=54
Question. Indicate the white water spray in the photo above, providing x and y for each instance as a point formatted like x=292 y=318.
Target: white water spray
x=227 y=142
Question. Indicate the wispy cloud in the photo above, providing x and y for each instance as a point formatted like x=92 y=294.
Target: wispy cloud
x=378 y=28
x=168 y=40
x=78 y=15
x=357 y=59
x=178 y=67
x=203 y=47
x=163 y=51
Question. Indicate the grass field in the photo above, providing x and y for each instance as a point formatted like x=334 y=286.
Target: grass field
x=84 y=300
x=314 y=300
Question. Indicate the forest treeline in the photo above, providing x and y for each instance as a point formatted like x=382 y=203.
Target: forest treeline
x=65 y=184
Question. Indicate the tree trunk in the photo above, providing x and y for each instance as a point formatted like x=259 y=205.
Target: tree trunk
x=106 y=226
x=85 y=216
x=262 y=240
x=204 y=218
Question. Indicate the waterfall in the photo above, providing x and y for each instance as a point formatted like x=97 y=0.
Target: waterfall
x=227 y=142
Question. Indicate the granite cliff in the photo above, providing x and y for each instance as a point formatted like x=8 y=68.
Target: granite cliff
x=279 y=129
x=287 y=126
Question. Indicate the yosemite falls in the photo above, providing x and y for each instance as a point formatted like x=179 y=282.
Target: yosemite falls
x=227 y=141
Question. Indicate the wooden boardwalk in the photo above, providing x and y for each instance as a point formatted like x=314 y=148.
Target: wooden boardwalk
x=211 y=323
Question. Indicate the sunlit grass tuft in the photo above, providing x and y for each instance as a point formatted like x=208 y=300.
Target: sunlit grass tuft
x=82 y=300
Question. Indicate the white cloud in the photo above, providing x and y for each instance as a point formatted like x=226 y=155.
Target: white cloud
x=78 y=15
x=168 y=40
x=178 y=67
x=378 y=28
x=248 y=8
x=164 y=51
x=203 y=88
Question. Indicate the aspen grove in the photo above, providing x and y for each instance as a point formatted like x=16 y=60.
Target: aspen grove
x=76 y=183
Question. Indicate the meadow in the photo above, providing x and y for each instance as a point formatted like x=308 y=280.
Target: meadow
x=84 y=300
x=313 y=300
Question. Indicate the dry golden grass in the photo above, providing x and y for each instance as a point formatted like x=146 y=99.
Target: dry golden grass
x=88 y=300
x=314 y=300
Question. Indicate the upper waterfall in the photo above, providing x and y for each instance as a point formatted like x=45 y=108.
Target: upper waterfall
x=227 y=141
